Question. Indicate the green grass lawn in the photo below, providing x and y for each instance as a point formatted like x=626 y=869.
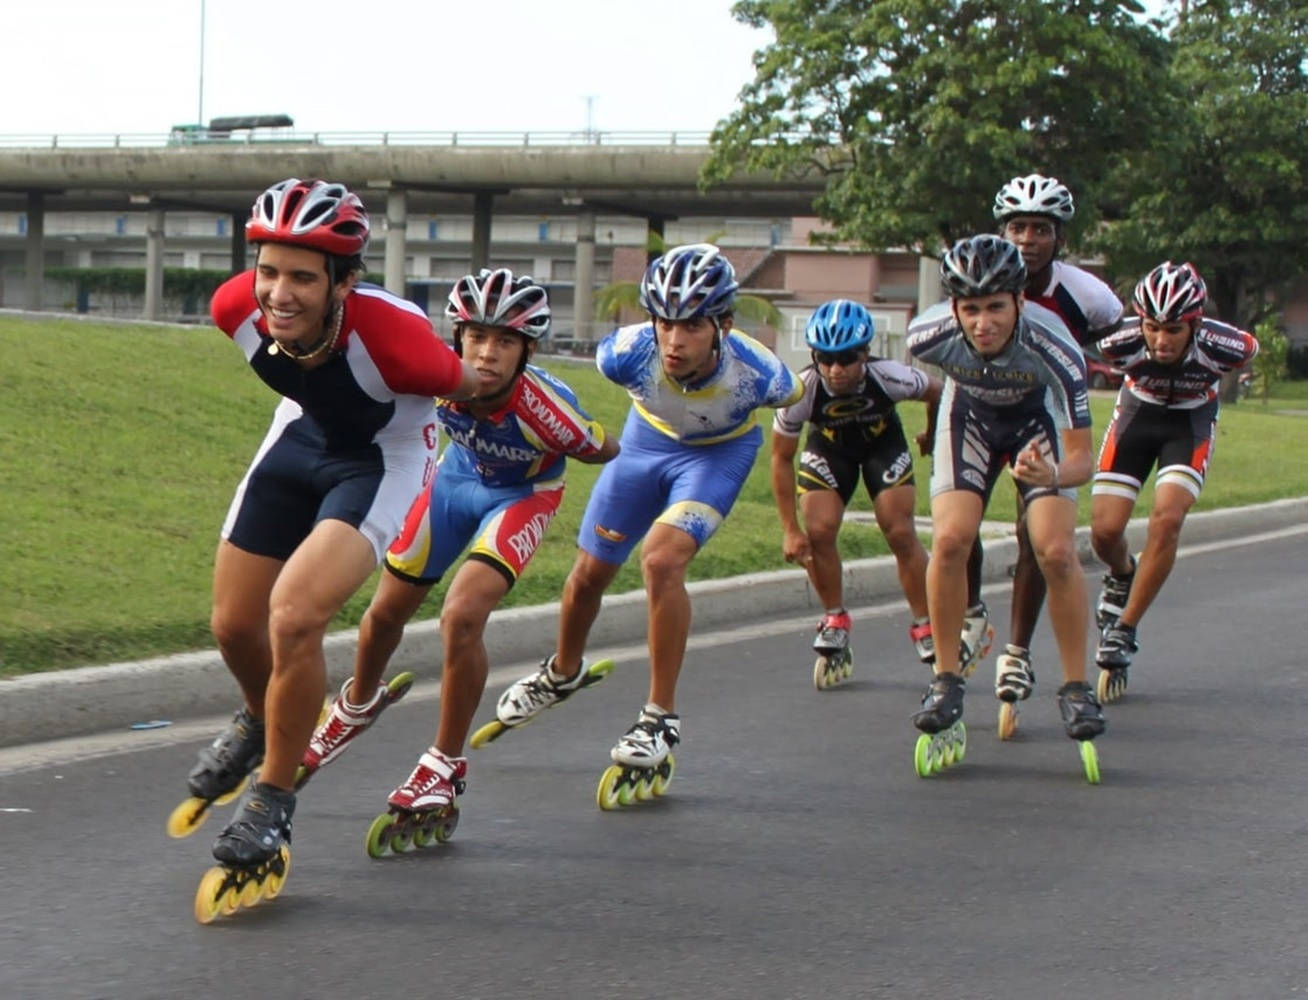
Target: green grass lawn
x=122 y=446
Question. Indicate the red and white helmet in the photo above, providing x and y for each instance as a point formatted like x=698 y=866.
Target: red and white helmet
x=316 y=214
x=1171 y=292
x=497 y=298
x=1034 y=194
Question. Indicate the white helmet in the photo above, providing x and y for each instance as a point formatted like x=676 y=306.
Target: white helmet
x=1034 y=194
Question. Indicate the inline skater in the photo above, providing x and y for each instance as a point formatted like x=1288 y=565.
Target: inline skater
x=1015 y=395
x=497 y=486
x=1033 y=212
x=854 y=432
x=689 y=442
x=350 y=445
x=1166 y=415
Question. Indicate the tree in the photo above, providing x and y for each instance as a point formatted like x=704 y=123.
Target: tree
x=1273 y=349
x=918 y=110
x=1225 y=183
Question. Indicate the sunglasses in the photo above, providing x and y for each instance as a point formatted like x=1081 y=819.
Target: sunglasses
x=845 y=358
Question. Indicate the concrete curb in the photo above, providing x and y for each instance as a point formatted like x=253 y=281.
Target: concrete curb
x=87 y=700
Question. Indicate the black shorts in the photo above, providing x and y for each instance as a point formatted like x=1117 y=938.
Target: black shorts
x=886 y=463
x=1143 y=434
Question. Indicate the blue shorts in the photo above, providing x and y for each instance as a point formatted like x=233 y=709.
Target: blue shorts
x=656 y=478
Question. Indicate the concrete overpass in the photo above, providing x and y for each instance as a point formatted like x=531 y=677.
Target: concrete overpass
x=650 y=175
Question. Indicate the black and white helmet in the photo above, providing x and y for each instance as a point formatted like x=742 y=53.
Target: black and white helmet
x=1034 y=194
x=982 y=265
x=497 y=298
x=1170 y=293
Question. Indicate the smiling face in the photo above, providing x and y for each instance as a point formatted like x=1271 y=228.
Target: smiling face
x=292 y=289
x=988 y=321
x=687 y=347
x=497 y=354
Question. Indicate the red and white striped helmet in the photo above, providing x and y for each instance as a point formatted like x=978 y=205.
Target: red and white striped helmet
x=1171 y=292
x=497 y=298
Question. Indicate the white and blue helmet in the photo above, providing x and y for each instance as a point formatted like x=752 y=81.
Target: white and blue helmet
x=688 y=282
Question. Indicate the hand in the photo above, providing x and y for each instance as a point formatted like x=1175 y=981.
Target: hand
x=1034 y=469
x=795 y=548
x=925 y=442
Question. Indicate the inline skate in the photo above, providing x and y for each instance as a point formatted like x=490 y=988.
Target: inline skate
x=944 y=737
x=643 y=763
x=525 y=699
x=835 y=660
x=424 y=809
x=1116 y=648
x=1084 y=720
x=253 y=852
x=924 y=643
x=220 y=772
x=1014 y=680
x=1113 y=595
x=343 y=722
x=977 y=638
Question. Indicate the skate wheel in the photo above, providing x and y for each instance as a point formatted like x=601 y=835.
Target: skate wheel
x=445 y=829
x=663 y=776
x=606 y=795
x=1007 y=719
x=399 y=686
x=209 y=895
x=425 y=835
x=402 y=838
x=959 y=742
x=626 y=788
x=644 y=789
x=302 y=776
x=597 y=671
x=1090 y=759
x=923 y=756
x=379 y=835
x=251 y=892
x=279 y=868
x=820 y=673
x=488 y=733
x=847 y=668
x=1102 y=686
x=230 y=901
x=188 y=817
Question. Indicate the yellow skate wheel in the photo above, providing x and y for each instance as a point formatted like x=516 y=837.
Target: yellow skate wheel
x=820 y=673
x=959 y=742
x=627 y=786
x=1090 y=758
x=402 y=837
x=252 y=891
x=1102 y=686
x=425 y=834
x=663 y=776
x=209 y=895
x=302 y=776
x=847 y=667
x=445 y=829
x=645 y=786
x=1007 y=719
x=399 y=685
x=226 y=797
x=379 y=835
x=606 y=795
x=230 y=901
x=272 y=887
x=923 y=756
x=597 y=671
x=493 y=730
x=188 y=817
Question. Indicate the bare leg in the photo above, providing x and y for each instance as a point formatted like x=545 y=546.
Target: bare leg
x=666 y=554
x=242 y=584
x=823 y=510
x=1028 y=587
x=956 y=517
x=583 y=592
x=1171 y=504
x=475 y=592
x=894 y=510
x=1052 y=523
x=380 y=631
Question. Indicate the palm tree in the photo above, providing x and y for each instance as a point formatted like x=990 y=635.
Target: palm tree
x=614 y=299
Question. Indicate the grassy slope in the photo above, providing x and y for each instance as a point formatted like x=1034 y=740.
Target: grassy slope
x=122 y=446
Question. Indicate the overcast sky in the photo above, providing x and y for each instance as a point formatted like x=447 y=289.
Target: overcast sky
x=88 y=66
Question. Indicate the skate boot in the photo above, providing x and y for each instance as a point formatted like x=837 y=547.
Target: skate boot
x=924 y=644
x=344 y=722
x=525 y=699
x=219 y=773
x=835 y=661
x=1116 y=648
x=253 y=853
x=1014 y=680
x=944 y=737
x=977 y=638
x=424 y=810
x=1113 y=595
x=643 y=764
x=1084 y=720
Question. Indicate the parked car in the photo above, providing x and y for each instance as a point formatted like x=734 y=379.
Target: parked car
x=1099 y=373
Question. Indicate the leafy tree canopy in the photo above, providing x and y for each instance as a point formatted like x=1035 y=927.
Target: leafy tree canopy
x=918 y=110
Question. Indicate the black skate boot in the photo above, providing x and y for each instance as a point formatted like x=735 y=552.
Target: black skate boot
x=260 y=827
x=944 y=738
x=219 y=773
x=1084 y=720
x=254 y=851
x=1116 y=648
x=1113 y=595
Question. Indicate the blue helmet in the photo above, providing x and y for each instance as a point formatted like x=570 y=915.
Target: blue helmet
x=838 y=325
x=688 y=282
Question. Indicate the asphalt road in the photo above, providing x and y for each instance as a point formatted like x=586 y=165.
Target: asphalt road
x=796 y=854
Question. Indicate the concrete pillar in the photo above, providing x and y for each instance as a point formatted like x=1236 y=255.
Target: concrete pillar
x=928 y=283
x=35 y=250
x=397 y=220
x=583 y=296
x=238 y=242
x=154 y=238
x=482 y=204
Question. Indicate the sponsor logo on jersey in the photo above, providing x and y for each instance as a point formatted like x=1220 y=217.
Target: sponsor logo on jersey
x=897 y=471
x=548 y=416
x=609 y=535
x=525 y=540
x=481 y=445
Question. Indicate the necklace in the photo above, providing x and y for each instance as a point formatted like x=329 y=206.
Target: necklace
x=325 y=343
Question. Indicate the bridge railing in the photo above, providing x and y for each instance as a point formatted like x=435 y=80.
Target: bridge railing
x=209 y=140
